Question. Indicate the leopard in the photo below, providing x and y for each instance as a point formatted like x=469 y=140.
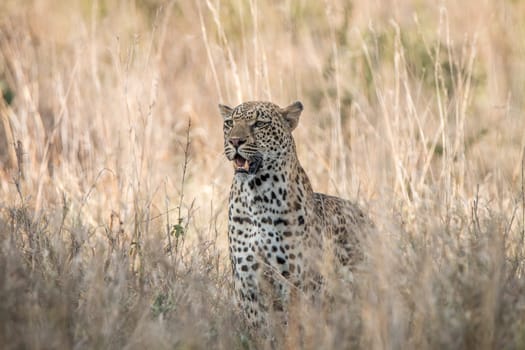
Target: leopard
x=278 y=227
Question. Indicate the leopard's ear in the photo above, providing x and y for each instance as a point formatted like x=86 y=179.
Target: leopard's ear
x=291 y=114
x=225 y=111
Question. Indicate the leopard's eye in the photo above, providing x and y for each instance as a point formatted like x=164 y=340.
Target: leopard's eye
x=228 y=123
x=260 y=124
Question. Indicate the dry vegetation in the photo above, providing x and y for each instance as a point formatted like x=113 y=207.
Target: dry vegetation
x=113 y=208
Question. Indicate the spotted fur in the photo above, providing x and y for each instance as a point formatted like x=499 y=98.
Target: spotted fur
x=277 y=225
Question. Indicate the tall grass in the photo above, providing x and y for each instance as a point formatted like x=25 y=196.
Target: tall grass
x=113 y=207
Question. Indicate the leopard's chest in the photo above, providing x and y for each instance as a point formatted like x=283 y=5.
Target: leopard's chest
x=265 y=233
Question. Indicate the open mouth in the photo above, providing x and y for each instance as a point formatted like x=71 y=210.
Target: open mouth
x=242 y=165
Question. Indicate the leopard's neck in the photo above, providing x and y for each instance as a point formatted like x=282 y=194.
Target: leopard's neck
x=279 y=188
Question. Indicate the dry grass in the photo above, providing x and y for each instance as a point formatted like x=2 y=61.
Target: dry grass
x=113 y=226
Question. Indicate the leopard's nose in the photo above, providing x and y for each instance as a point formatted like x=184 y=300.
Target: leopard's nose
x=237 y=141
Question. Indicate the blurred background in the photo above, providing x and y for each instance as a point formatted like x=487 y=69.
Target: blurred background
x=111 y=141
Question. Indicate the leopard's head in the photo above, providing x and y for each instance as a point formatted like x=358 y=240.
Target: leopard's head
x=257 y=133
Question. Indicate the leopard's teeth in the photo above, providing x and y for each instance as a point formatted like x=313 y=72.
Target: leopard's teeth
x=244 y=166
